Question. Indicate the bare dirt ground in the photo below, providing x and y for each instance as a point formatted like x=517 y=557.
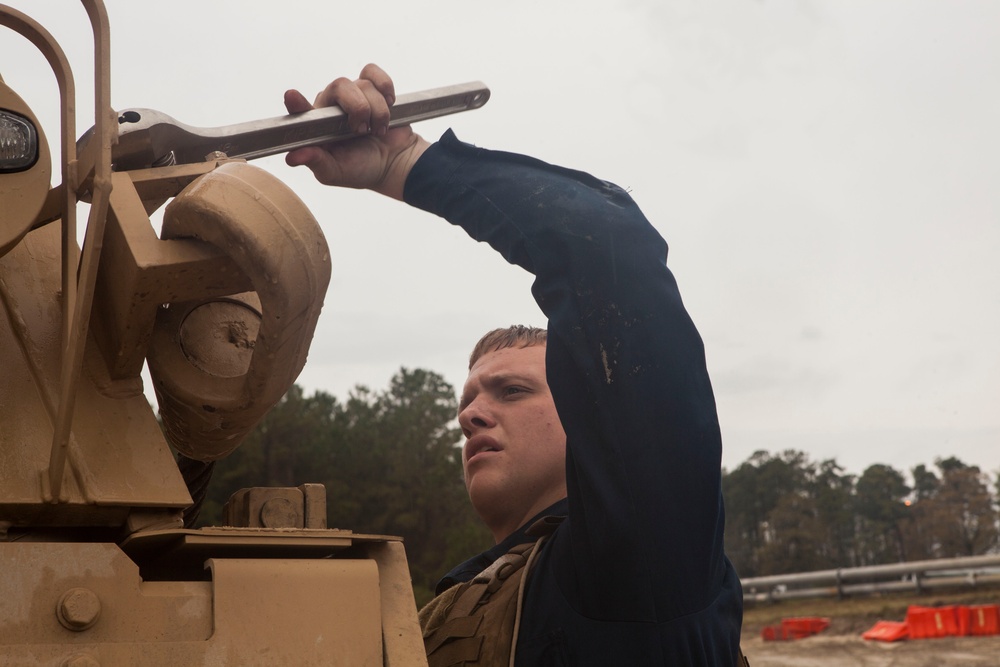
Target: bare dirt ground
x=851 y=650
x=841 y=643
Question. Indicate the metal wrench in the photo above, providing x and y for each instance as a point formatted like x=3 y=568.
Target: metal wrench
x=148 y=138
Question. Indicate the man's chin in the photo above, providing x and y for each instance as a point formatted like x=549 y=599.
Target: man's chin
x=485 y=491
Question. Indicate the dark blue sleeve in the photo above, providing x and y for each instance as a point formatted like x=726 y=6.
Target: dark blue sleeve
x=643 y=541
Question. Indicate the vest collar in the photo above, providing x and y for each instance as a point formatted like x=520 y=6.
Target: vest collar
x=470 y=568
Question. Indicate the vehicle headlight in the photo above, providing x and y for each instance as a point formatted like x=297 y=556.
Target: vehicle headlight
x=18 y=142
x=25 y=169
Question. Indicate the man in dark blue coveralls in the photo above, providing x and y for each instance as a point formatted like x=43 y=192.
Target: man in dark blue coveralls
x=607 y=419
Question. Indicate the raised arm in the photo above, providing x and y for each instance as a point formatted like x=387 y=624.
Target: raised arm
x=626 y=366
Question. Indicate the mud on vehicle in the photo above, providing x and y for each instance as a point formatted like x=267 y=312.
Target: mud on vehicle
x=99 y=564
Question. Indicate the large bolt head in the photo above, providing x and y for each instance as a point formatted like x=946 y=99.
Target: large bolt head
x=280 y=513
x=78 y=609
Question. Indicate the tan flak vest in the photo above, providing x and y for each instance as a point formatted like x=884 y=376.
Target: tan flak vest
x=476 y=623
x=461 y=629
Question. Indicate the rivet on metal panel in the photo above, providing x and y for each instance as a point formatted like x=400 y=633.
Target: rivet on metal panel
x=78 y=609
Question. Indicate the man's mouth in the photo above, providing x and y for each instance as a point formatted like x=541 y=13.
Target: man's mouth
x=480 y=444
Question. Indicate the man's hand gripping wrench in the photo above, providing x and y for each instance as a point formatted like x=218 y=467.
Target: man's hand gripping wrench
x=148 y=138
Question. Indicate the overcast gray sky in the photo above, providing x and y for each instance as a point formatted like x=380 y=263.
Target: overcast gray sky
x=825 y=173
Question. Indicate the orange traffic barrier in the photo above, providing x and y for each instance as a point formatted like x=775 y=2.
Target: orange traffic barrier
x=964 y=618
x=887 y=631
x=932 y=622
x=795 y=628
x=983 y=619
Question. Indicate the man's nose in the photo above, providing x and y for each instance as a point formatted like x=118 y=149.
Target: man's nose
x=474 y=417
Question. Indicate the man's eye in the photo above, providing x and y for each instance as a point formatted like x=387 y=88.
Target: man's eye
x=510 y=391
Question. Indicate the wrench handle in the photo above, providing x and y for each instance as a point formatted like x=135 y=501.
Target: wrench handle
x=149 y=138
x=320 y=126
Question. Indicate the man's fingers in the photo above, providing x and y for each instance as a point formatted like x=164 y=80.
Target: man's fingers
x=337 y=92
x=320 y=162
x=381 y=95
x=296 y=102
x=363 y=162
x=345 y=93
x=381 y=81
x=303 y=156
x=366 y=100
x=378 y=121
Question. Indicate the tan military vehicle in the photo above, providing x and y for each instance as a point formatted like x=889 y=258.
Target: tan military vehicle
x=97 y=566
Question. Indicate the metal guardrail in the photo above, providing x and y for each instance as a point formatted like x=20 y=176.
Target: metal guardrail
x=914 y=576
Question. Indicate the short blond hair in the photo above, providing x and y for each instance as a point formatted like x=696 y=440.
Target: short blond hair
x=517 y=335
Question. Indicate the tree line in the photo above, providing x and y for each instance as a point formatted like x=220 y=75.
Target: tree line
x=785 y=513
x=391 y=464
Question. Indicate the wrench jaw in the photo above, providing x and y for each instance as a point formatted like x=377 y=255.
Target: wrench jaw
x=144 y=140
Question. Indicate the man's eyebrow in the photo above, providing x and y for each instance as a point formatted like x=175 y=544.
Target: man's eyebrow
x=506 y=377
x=493 y=380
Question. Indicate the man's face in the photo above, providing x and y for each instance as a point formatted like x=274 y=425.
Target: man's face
x=515 y=450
